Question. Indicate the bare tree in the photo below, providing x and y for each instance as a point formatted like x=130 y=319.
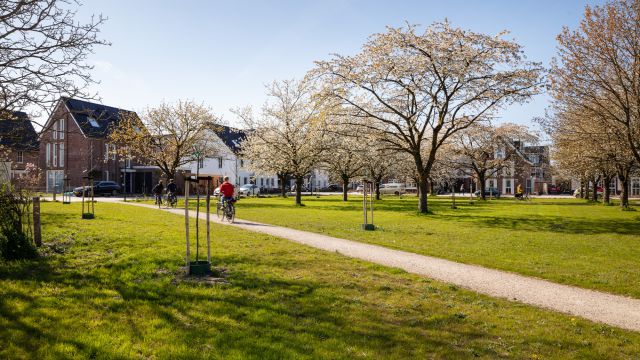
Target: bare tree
x=167 y=136
x=289 y=135
x=483 y=150
x=44 y=52
x=417 y=90
x=346 y=158
x=598 y=67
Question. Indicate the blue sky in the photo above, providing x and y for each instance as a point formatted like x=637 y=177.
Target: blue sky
x=222 y=53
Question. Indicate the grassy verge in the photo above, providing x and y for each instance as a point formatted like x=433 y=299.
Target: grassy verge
x=568 y=241
x=108 y=289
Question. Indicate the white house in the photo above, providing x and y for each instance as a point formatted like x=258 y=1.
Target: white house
x=228 y=162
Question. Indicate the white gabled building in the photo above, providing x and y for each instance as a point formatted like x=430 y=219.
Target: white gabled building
x=228 y=162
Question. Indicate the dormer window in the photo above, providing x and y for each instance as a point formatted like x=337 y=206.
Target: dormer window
x=93 y=122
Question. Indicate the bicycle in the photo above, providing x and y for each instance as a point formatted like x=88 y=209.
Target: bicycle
x=225 y=210
x=158 y=198
x=523 y=197
x=171 y=200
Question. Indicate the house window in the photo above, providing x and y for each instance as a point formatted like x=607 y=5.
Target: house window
x=61 y=129
x=219 y=163
x=500 y=154
x=55 y=155
x=20 y=158
x=48 y=154
x=245 y=180
x=200 y=163
x=62 y=155
x=93 y=122
x=272 y=182
x=106 y=175
x=261 y=181
x=54 y=131
x=507 y=186
x=534 y=158
x=635 y=186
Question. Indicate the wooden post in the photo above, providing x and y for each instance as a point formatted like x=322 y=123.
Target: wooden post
x=371 y=202
x=37 y=234
x=208 y=220
x=364 y=201
x=186 y=218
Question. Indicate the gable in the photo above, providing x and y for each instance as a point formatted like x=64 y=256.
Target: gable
x=17 y=132
x=95 y=120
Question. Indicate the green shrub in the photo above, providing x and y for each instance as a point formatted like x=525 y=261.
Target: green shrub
x=16 y=245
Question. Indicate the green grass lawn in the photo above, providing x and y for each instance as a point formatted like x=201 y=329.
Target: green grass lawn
x=109 y=289
x=568 y=241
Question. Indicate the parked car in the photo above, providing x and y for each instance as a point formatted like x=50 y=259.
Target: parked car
x=331 y=188
x=488 y=192
x=249 y=189
x=599 y=189
x=99 y=188
x=392 y=189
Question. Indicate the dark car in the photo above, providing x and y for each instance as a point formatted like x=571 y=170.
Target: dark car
x=99 y=188
x=488 y=192
x=331 y=188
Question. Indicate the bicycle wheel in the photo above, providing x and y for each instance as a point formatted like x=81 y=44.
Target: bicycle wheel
x=219 y=211
x=231 y=213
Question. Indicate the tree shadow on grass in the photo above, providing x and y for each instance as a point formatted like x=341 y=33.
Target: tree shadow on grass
x=538 y=223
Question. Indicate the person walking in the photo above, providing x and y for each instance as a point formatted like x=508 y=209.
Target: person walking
x=157 y=192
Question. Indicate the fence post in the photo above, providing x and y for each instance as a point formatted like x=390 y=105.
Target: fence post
x=37 y=234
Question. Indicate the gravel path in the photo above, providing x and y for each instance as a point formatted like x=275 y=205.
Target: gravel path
x=597 y=306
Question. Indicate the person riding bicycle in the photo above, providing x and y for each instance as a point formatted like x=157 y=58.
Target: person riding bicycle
x=157 y=192
x=172 y=189
x=519 y=191
x=227 y=190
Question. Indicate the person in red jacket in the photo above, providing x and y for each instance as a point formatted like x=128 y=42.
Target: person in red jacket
x=227 y=190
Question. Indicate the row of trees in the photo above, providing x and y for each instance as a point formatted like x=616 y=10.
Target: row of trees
x=407 y=94
x=594 y=120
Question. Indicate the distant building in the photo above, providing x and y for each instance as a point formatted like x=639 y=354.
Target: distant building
x=18 y=144
x=528 y=166
x=227 y=161
x=74 y=144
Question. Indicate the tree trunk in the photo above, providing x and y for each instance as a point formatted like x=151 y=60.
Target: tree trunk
x=607 y=190
x=624 y=192
x=377 y=185
x=582 y=189
x=482 y=184
x=283 y=185
x=594 y=195
x=299 y=182
x=345 y=187
x=423 y=186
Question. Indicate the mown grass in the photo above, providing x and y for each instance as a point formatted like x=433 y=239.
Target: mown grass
x=108 y=290
x=568 y=241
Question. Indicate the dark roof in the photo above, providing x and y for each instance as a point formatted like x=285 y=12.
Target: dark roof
x=17 y=132
x=230 y=136
x=105 y=116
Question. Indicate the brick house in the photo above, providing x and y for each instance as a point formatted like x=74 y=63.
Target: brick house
x=74 y=144
x=528 y=166
x=18 y=144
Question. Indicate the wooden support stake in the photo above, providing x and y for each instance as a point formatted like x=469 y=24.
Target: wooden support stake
x=208 y=220
x=186 y=219
x=37 y=234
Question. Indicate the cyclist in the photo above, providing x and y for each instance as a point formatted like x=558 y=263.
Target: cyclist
x=157 y=192
x=172 y=188
x=226 y=190
x=519 y=192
